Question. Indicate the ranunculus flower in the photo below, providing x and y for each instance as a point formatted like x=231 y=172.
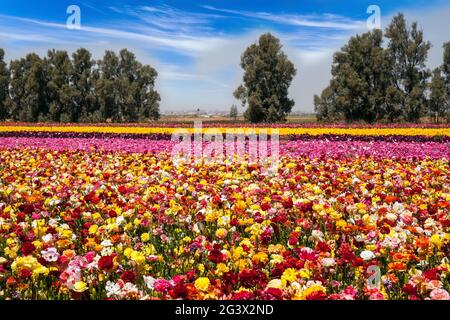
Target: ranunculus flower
x=106 y=263
x=50 y=254
x=27 y=248
x=367 y=255
x=439 y=294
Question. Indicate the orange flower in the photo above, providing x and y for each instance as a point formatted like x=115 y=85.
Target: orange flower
x=423 y=242
x=397 y=266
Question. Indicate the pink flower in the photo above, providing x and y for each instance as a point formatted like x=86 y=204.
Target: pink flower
x=50 y=255
x=439 y=294
x=162 y=285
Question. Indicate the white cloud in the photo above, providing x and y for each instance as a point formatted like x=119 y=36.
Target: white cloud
x=322 y=21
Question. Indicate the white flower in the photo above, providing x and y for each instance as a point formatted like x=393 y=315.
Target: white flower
x=129 y=288
x=112 y=289
x=328 y=262
x=50 y=255
x=149 y=281
x=391 y=217
x=317 y=234
x=367 y=255
x=47 y=238
x=120 y=220
x=106 y=243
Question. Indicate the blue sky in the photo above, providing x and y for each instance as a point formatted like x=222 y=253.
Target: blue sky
x=196 y=45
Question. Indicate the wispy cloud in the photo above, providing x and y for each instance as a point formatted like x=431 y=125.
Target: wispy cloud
x=322 y=21
x=190 y=44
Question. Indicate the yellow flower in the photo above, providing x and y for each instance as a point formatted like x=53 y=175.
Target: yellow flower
x=93 y=229
x=41 y=270
x=127 y=252
x=202 y=284
x=221 y=233
x=304 y=273
x=289 y=275
x=260 y=257
x=28 y=262
x=80 y=286
x=222 y=268
x=436 y=241
x=313 y=288
x=145 y=237
x=275 y=283
x=137 y=257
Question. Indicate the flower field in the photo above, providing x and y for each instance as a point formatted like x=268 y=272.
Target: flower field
x=102 y=212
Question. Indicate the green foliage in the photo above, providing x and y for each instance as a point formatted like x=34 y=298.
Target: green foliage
x=4 y=82
x=359 y=81
x=267 y=76
x=78 y=89
x=439 y=102
x=371 y=83
x=408 y=52
x=234 y=112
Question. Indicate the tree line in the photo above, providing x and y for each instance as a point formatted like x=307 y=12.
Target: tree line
x=375 y=83
x=63 y=88
x=370 y=82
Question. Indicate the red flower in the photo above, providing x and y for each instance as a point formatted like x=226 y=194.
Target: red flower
x=106 y=263
x=316 y=295
x=216 y=256
x=409 y=289
x=123 y=190
x=323 y=247
x=287 y=203
x=128 y=276
x=25 y=273
x=27 y=248
x=252 y=278
x=242 y=295
x=272 y=294
x=265 y=206
x=430 y=274
x=180 y=291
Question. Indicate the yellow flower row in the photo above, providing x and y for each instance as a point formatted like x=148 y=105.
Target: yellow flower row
x=243 y=130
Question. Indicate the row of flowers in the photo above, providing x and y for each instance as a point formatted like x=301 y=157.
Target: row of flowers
x=165 y=136
x=86 y=223
x=310 y=148
x=231 y=124
x=283 y=131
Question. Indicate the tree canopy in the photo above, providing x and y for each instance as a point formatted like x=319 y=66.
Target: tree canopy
x=268 y=73
x=371 y=82
x=64 y=88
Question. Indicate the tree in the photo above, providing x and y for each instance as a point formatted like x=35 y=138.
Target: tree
x=137 y=97
x=148 y=97
x=62 y=94
x=439 y=102
x=359 y=81
x=83 y=82
x=234 y=112
x=29 y=94
x=267 y=76
x=64 y=89
x=325 y=104
x=106 y=86
x=439 y=99
x=408 y=52
x=4 y=84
